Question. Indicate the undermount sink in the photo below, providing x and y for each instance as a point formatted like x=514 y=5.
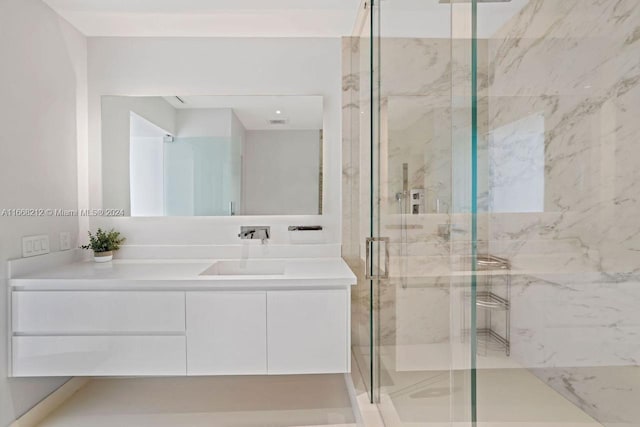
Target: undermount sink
x=244 y=268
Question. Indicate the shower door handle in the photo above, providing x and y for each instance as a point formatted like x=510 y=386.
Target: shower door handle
x=368 y=273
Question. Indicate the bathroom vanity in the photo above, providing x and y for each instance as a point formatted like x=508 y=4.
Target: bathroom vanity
x=182 y=317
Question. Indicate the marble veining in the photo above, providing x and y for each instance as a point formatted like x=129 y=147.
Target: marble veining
x=559 y=96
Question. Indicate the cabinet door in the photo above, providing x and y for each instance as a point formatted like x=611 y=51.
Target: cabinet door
x=226 y=333
x=307 y=331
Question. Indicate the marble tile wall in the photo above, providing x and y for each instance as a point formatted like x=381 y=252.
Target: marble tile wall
x=574 y=63
x=562 y=320
x=352 y=219
x=575 y=319
x=579 y=333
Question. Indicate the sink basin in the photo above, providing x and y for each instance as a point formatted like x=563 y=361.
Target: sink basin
x=245 y=268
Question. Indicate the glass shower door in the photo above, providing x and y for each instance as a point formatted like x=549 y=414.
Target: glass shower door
x=420 y=219
x=407 y=208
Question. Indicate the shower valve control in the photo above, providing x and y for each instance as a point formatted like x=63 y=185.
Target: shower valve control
x=417 y=201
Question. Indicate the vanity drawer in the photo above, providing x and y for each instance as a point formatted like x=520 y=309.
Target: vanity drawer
x=82 y=312
x=98 y=356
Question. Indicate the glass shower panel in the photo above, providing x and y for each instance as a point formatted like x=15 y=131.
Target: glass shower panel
x=356 y=207
x=558 y=200
x=200 y=176
x=464 y=229
x=419 y=307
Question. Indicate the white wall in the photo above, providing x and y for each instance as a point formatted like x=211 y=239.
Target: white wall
x=281 y=171
x=43 y=85
x=218 y=66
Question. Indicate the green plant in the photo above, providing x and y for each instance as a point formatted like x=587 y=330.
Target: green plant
x=104 y=241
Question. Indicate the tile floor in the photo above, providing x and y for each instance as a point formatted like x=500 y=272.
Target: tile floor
x=248 y=401
x=508 y=396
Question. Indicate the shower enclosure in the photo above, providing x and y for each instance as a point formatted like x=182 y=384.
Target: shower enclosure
x=491 y=193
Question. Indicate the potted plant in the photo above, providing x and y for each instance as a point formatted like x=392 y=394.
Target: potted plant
x=103 y=244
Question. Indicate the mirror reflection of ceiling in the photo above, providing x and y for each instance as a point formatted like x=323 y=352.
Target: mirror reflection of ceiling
x=259 y=112
x=139 y=127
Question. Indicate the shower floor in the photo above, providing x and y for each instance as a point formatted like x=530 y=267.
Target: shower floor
x=507 y=394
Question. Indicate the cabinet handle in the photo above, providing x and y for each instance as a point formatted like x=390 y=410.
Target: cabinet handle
x=368 y=274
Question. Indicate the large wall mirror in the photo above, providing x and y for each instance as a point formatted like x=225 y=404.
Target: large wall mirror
x=212 y=155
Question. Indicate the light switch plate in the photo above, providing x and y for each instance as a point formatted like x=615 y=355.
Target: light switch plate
x=65 y=241
x=35 y=245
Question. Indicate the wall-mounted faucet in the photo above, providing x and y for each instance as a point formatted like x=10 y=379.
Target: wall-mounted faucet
x=255 y=232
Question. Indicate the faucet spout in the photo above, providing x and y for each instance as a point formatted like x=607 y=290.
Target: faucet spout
x=255 y=232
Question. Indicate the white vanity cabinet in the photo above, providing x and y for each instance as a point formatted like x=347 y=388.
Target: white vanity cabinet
x=226 y=333
x=168 y=319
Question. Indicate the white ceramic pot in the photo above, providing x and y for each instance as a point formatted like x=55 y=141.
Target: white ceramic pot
x=102 y=256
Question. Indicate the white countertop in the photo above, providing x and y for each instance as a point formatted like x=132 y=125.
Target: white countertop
x=183 y=275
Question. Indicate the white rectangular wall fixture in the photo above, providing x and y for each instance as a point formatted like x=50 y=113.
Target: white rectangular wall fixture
x=35 y=245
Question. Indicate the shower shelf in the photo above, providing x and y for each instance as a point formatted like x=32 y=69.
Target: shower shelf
x=490 y=340
x=493 y=330
x=489 y=300
x=492 y=262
